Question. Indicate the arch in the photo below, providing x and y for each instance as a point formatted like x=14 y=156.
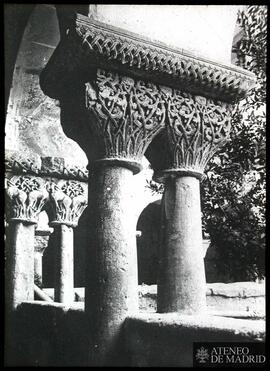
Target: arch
x=148 y=224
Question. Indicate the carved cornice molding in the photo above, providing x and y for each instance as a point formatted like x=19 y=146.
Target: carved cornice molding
x=17 y=163
x=26 y=196
x=128 y=114
x=68 y=200
x=92 y=43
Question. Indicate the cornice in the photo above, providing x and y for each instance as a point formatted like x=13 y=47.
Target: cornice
x=16 y=163
x=92 y=43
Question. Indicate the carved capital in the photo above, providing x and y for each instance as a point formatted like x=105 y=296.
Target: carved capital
x=128 y=114
x=196 y=128
x=68 y=201
x=26 y=196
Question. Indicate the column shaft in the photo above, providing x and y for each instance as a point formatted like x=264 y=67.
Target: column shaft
x=64 y=264
x=20 y=263
x=111 y=287
x=181 y=277
x=38 y=266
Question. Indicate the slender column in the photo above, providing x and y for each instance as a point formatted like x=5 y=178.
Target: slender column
x=64 y=264
x=196 y=127
x=26 y=196
x=182 y=278
x=41 y=243
x=68 y=201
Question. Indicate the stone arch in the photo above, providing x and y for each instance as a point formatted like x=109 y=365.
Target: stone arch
x=148 y=240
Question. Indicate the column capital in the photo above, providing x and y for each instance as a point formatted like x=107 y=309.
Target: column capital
x=26 y=196
x=68 y=199
x=196 y=128
x=127 y=115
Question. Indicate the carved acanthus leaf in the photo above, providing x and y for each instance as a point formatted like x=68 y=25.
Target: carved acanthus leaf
x=128 y=114
x=68 y=201
x=26 y=196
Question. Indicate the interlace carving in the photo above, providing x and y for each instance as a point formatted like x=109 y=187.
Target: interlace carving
x=196 y=128
x=133 y=51
x=26 y=196
x=68 y=201
x=17 y=163
x=128 y=114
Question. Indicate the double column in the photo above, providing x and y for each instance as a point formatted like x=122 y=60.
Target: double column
x=68 y=199
x=114 y=119
x=26 y=196
x=195 y=128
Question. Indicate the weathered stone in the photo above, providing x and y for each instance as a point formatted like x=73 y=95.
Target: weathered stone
x=64 y=264
x=41 y=243
x=236 y=289
x=118 y=111
x=225 y=299
x=52 y=164
x=20 y=263
x=111 y=287
x=26 y=196
x=68 y=201
x=181 y=280
x=167 y=339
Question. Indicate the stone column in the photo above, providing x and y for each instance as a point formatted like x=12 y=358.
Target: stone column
x=68 y=201
x=196 y=128
x=26 y=196
x=108 y=82
x=41 y=243
x=117 y=118
x=126 y=116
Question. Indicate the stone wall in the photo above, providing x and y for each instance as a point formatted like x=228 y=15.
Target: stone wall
x=51 y=334
x=239 y=299
x=167 y=339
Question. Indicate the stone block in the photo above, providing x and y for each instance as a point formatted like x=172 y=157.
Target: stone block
x=52 y=165
x=161 y=340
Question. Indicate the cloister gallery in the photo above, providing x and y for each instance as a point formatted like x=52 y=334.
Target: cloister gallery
x=98 y=97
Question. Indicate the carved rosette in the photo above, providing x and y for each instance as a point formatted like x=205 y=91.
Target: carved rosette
x=196 y=128
x=68 y=201
x=26 y=196
x=128 y=114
